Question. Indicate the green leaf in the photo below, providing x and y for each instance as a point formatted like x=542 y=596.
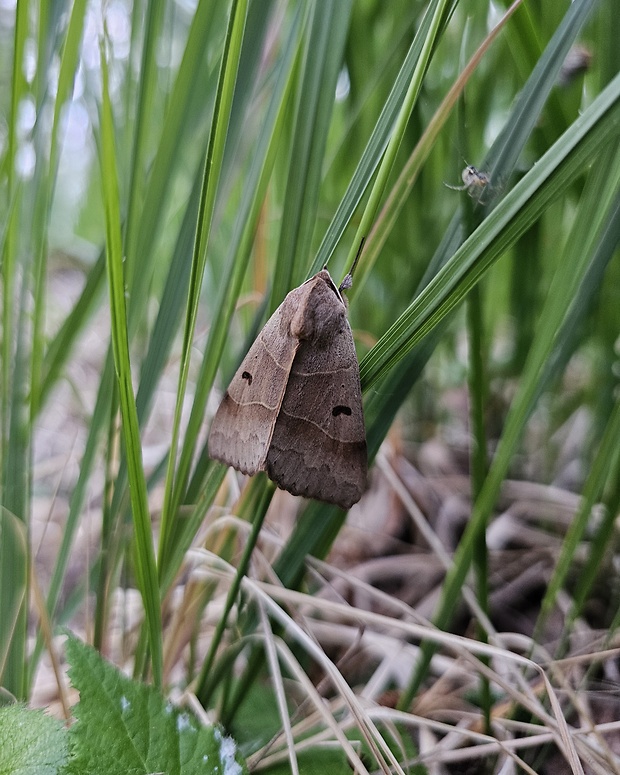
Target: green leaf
x=31 y=743
x=127 y=728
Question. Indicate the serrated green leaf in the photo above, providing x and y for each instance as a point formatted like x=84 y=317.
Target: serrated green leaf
x=127 y=727
x=31 y=743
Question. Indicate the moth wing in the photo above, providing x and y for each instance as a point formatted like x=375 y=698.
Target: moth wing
x=318 y=447
x=243 y=425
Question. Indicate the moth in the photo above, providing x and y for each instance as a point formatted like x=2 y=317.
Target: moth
x=294 y=407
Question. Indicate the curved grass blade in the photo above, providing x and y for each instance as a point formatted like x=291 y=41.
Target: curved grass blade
x=606 y=458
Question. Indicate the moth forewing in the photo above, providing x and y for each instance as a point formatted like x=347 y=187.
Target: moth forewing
x=243 y=424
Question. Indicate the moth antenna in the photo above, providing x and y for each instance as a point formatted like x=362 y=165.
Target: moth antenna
x=348 y=280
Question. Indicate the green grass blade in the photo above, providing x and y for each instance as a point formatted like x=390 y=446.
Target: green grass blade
x=255 y=42
x=215 y=152
x=606 y=458
x=164 y=330
x=194 y=86
x=313 y=109
x=13 y=540
x=145 y=555
x=438 y=13
x=48 y=169
x=149 y=73
x=15 y=449
x=605 y=468
x=598 y=560
x=373 y=153
x=503 y=157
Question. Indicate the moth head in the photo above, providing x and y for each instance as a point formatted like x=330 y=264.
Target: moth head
x=320 y=311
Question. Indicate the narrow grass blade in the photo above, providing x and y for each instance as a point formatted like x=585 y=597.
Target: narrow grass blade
x=314 y=105
x=607 y=456
x=437 y=13
x=375 y=148
x=145 y=107
x=213 y=163
x=15 y=445
x=145 y=555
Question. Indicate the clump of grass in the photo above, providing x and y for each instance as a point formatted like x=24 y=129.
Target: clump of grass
x=225 y=154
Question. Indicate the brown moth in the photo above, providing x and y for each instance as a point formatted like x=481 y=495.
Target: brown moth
x=294 y=407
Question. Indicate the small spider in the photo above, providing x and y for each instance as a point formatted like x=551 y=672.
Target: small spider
x=472 y=179
x=474 y=182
